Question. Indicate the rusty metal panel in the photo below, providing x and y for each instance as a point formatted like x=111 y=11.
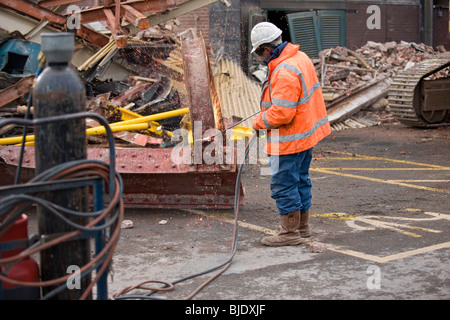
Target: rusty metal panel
x=154 y=6
x=150 y=178
x=40 y=13
x=435 y=94
x=204 y=103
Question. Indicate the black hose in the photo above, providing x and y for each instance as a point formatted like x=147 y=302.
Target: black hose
x=223 y=265
x=13 y=206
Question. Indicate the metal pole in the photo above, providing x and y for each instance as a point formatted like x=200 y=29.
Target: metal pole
x=102 y=284
x=428 y=22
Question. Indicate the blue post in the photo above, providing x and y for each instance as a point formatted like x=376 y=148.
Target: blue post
x=102 y=284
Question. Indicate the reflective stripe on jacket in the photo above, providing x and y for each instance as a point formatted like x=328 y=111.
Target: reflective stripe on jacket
x=292 y=102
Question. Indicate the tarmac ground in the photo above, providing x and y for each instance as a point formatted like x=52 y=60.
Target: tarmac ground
x=380 y=222
x=380 y=225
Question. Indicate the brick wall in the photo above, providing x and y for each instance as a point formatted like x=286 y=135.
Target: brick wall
x=397 y=22
x=198 y=19
x=357 y=33
x=440 y=29
x=402 y=23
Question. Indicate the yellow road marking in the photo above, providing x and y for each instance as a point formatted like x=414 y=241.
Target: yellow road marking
x=361 y=156
x=382 y=169
x=224 y=218
x=399 y=182
x=392 y=257
x=439 y=215
x=334 y=216
x=379 y=180
x=412 y=180
x=351 y=219
x=389 y=225
x=331 y=247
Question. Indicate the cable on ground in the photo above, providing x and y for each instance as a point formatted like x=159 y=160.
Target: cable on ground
x=223 y=267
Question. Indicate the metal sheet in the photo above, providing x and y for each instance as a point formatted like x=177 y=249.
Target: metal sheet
x=239 y=95
x=203 y=99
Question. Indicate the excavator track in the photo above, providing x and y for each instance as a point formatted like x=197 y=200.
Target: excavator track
x=406 y=98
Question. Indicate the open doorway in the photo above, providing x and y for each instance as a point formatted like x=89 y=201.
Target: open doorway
x=279 y=18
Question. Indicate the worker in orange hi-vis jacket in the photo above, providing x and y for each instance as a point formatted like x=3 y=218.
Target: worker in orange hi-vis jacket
x=295 y=116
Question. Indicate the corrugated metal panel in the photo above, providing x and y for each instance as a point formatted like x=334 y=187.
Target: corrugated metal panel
x=238 y=95
x=303 y=28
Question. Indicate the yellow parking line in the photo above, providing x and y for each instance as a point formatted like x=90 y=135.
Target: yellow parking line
x=412 y=180
x=383 y=169
x=379 y=180
x=242 y=224
x=361 y=156
x=392 y=257
x=353 y=253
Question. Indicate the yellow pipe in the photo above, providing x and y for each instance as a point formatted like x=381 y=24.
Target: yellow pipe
x=119 y=126
x=129 y=115
x=15 y=140
x=129 y=127
x=154 y=117
x=102 y=130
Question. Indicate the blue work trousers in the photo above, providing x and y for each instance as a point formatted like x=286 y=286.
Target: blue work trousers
x=290 y=185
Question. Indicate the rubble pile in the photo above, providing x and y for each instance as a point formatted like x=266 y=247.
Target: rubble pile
x=154 y=83
x=343 y=72
x=341 y=69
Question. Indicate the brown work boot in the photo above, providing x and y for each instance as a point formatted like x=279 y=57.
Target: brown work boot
x=304 y=225
x=288 y=234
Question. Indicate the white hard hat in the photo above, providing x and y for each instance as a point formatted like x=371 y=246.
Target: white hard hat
x=264 y=32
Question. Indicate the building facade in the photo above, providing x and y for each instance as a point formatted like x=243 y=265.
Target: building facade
x=318 y=24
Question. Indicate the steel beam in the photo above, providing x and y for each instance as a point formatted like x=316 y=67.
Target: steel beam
x=114 y=27
x=16 y=90
x=181 y=9
x=204 y=103
x=54 y=3
x=135 y=17
x=34 y=11
x=155 y=6
x=41 y=13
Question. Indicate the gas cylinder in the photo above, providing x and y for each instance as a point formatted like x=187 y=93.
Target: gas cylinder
x=60 y=91
x=26 y=270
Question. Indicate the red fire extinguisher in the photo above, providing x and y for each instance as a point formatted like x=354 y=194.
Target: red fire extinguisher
x=26 y=270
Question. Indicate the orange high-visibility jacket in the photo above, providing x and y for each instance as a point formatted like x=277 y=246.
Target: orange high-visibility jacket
x=292 y=102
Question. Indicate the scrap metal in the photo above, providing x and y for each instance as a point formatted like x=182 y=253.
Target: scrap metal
x=38 y=12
